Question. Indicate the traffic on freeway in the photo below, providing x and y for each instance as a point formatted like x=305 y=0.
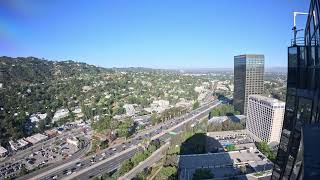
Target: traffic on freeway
x=111 y=158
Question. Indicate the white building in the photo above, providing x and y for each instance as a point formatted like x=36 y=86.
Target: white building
x=265 y=117
x=19 y=144
x=158 y=106
x=73 y=141
x=35 y=118
x=61 y=113
x=3 y=151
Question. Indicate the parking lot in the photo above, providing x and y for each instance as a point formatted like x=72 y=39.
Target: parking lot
x=58 y=151
x=39 y=157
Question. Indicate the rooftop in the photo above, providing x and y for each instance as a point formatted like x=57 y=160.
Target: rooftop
x=268 y=100
x=220 y=119
x=223 y=163
x=3 y=150
x=250 y=56
x=36 y=138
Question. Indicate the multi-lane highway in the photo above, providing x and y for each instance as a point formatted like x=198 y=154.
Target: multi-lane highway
x=111 y=158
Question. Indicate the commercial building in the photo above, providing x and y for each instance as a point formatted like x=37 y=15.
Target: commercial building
x=265 y=117
x=248 y=79
x=19 y=144
x=298 y=154
x=34 y=139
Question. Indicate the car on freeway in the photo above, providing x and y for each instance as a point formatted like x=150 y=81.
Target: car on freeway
x=78 y=164
x=68 y=173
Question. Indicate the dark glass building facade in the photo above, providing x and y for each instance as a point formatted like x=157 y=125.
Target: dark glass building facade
x=248 y=79
x=296 y=157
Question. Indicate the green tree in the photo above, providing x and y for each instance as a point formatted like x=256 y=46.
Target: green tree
x=266 y=150
x=231 y=147
x=137 y=158
x=167 y=173
x=125 y=167
x=154 y=118
x=196 y=105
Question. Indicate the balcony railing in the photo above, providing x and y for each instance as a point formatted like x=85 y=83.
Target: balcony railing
x=299 y=41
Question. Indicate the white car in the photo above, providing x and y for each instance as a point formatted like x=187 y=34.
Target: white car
x=78 y=164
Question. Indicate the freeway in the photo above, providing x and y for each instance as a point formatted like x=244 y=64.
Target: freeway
x=80 y=168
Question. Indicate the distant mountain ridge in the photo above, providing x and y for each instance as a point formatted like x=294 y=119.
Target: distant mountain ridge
x=24 y=70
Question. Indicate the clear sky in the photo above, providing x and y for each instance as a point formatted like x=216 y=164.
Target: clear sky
x=149 y=33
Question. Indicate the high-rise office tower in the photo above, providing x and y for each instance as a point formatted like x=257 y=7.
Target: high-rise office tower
x=265 y=117
x=298 y=155
x=248 y=79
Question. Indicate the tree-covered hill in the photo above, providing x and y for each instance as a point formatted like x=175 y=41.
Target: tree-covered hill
x=34 y=70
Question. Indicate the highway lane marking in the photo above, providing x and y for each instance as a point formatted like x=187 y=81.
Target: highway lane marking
x=99 y=163
x=183 y=122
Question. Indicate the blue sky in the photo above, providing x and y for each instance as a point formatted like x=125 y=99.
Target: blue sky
x=149 y=33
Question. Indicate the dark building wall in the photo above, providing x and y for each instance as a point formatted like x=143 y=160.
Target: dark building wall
x=248 y=79
x=302 y=102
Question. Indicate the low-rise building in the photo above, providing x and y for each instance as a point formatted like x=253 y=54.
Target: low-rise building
x=158 y=106
x=51 y=133
x=34 y=139
x=35 y=118
x=184 y=103
x=61 y=113
x=19 y=144
x=3 y=151
x=74 y=141
x=225 y=165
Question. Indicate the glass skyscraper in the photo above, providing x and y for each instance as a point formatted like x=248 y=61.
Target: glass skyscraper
x=298 y=155
x=248 y=79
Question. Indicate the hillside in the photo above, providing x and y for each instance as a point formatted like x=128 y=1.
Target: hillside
x=34 y=70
